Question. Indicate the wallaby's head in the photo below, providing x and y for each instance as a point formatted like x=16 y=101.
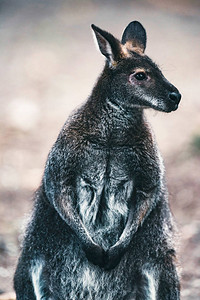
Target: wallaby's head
x=134 y=80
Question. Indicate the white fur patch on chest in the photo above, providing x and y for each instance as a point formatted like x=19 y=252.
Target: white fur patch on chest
x=111 y=198
x=103 y=206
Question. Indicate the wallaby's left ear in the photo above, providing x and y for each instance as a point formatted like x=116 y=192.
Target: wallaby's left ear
x=109 y=46
x=134 y=37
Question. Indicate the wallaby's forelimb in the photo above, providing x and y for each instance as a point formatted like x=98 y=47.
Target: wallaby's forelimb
x=63 y=198
x=141 y=207
x=69 y=214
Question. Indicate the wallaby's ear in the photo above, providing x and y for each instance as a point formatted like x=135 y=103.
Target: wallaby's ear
x=134 y=37
x=109 y=46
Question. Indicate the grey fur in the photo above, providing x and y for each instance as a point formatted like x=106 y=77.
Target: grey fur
x=101 y=226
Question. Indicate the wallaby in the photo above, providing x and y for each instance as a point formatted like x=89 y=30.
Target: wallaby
x=101 y=226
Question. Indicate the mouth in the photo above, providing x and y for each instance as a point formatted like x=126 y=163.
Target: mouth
x=168 y=108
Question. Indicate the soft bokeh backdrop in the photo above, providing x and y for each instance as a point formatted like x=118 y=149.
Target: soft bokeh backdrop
x=48 y=66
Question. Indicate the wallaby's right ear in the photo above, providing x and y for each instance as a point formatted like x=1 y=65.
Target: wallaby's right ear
x=109 y=46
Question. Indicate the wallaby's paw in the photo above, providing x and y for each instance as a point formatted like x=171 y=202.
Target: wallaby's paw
x=112 y=258
x=96 y=256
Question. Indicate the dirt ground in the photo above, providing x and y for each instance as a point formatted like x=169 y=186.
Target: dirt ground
x=48 y=65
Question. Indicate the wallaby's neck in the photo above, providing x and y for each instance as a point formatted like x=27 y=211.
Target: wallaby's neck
x=112 y=122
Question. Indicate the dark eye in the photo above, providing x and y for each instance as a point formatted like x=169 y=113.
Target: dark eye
x=140 y=76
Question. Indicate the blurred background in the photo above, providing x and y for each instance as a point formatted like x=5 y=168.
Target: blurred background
x=48 y=66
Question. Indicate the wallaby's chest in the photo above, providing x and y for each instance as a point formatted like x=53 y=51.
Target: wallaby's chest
x=104 y=189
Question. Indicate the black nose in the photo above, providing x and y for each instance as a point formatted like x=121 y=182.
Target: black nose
x=175 y=97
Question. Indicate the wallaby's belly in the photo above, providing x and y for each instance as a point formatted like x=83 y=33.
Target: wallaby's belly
x=83 y=280
x=104 y=190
